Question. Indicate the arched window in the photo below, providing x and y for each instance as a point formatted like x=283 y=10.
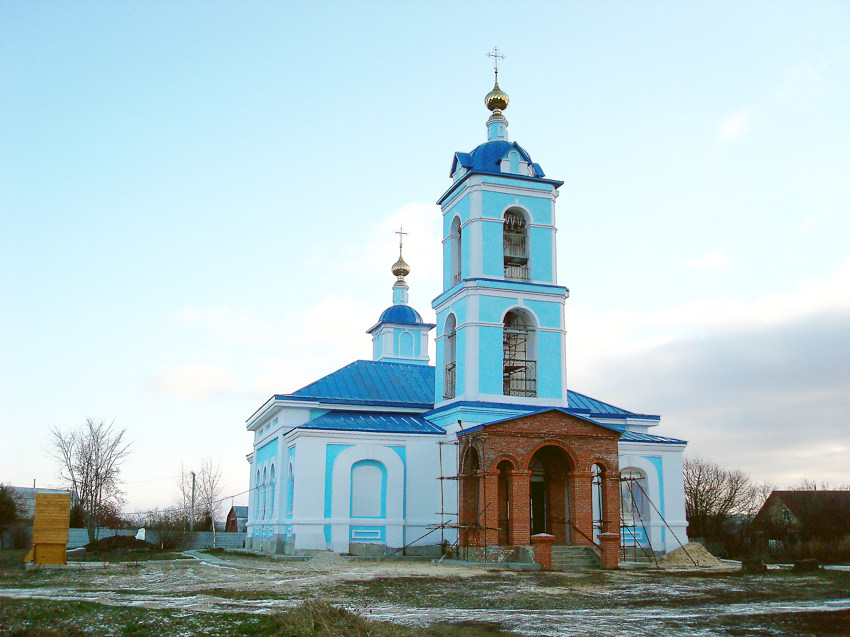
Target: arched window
x=368 y=489
x=456 y=251
x=290 y=491
x=596 y=500
x=265 y=493
x=257 y=491
x=450 y=358
x=405 y=344
x=271 y=498
x=515 y=242
x=513 y=160
x=633 y=502
x=519 y=367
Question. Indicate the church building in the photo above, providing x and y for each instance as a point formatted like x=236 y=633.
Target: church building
x=487 y=450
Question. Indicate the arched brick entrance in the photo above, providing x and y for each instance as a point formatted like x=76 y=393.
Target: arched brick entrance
x=538 y=474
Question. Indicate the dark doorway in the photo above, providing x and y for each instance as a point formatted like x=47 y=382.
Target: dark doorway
x=550 y=493
x=538 y=507
x=504 y=496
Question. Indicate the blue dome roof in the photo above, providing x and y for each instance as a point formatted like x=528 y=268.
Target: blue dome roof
x=486 y=157
x=401 y=314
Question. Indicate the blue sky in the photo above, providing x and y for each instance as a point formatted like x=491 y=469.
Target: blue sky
x=197 y=203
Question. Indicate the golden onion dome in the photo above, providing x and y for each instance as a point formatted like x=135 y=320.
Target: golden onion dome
x=400 y=268
x=496 y=99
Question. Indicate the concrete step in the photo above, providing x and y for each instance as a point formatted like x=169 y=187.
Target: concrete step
x=574 y=558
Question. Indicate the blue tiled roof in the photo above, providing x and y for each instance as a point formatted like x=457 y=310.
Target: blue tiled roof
x=377 y=422
x=375 y=383
x=401 y=314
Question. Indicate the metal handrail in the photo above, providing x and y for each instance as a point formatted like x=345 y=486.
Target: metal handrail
x=584 y=535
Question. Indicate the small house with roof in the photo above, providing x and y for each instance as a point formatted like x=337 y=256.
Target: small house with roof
x=792 y=516
x=488 y=448
x=237 y=519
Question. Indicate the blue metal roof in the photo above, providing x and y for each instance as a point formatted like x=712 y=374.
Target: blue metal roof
x=625 y=436
x=375 y=383
x=633 y=436
x=579 y=404
x=376 y=422
x=486 y=158
x=401 y=314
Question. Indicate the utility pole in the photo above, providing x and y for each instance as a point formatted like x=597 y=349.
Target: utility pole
x=192 y=514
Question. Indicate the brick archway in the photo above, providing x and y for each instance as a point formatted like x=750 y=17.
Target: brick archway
x=551 y=490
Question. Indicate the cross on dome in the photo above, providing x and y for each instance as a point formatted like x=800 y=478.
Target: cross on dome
x=400 y=267
x=496 y=56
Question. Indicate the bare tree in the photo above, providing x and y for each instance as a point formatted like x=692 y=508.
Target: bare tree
x=207 y=492
x=811 y=485
x=714 y=493
x=90 y=459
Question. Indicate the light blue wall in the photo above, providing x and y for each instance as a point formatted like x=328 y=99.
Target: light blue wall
x=491 y=309
x=541 y=261
x=461 y=209
x=538 y=208
x=331 y=452
x=547 y=312
x=490 y=359
x=492 y=249
x=549 y=365
x=659 y=468
x=525 y=183
x=266 y=453
x=399 y=339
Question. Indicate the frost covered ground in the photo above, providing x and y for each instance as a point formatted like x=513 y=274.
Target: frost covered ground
x=640 y=602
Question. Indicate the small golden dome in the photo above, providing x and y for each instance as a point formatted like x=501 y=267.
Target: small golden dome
x=400 y=268
x=496 y=99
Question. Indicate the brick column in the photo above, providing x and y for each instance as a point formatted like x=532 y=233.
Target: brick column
x=581 y=507
x=519 y=531
x=488 y=516
x=542 y=543
x=610 y=550
x=611 y=502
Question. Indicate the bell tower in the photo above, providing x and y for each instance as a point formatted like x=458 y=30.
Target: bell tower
x=500 y=315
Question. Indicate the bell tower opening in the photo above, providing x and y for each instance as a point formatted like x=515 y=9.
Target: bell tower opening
x=519 y=367
x=515 y=242
x=450 y=356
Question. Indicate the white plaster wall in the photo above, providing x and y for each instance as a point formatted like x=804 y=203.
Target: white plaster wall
x=671 y=532
x=413 y=495
x=308 y=516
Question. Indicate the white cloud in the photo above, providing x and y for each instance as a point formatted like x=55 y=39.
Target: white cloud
x=734 y=126
x=764 y=385
x=711 y=261
x=194 y=382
